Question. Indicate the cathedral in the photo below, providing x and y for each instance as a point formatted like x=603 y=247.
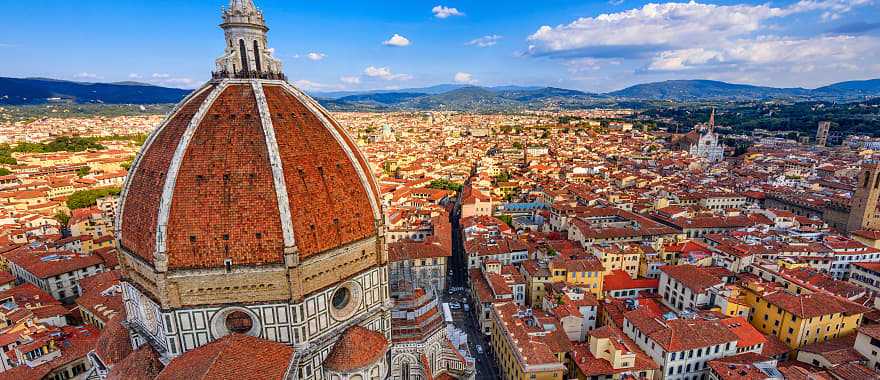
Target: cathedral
x=707 y=145
x=251 y=236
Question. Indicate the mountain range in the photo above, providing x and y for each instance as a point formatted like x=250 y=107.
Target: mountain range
x=15 y=91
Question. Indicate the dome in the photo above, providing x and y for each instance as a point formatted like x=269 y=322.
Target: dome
x=244 y=171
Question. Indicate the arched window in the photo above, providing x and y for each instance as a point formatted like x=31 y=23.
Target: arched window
x=244 y=59
x=257 y=56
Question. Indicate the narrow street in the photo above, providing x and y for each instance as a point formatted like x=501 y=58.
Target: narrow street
x=485 y=362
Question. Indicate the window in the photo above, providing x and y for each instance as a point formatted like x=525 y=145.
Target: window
x=341 y=298
x=244 y=60
x=239 y=322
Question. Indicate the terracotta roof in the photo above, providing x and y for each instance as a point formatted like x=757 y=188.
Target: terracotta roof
x=357 y=348
x=872 y=331
x=805 y=305
x=695 y=278
x=747 y=334
x=224 y=203
x=141 y=364
x=620 y=280
x=739 y=367
x=854 y=371
x=680 y=334
x=232 y=357
x=114 y=343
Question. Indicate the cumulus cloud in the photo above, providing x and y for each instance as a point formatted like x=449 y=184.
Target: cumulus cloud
x=384 y=73
x=445 y=12
x=461 y=77
x=86 y=75
x=397 y=41
x=676 y=37
x=308 y=85
x=350 y=80
x=316 y=56
x=134 y=76
x=485 y=41
x=167 y=80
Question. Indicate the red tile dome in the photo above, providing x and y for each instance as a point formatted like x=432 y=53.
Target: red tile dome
x=246 y=170
x=356 y=349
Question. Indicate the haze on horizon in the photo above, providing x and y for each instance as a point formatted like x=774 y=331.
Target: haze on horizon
x=594 y=46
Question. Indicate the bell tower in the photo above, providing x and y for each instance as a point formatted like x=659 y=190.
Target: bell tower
x=247 y=53
x=863 y=214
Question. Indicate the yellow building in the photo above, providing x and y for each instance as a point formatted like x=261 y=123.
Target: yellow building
x=585 y=272
x=798 y=320
x=626 y=258
x=524 y=349
x=537 y=281
x=732 y=302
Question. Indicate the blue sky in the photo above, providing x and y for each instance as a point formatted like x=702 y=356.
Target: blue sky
x=348 y=45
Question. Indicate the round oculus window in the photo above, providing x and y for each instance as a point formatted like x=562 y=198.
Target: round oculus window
x=341 y=298
x=239 y=322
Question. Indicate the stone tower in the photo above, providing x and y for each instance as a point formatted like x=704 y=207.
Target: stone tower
x=863 y=214
x=822 y=133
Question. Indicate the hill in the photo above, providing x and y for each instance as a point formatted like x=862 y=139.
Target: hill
x=690 y=90
x=14 y=91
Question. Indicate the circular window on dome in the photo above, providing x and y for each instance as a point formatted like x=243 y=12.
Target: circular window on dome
x=341 y=298
x=235 y=320
x=239 y=322
x=344 y=301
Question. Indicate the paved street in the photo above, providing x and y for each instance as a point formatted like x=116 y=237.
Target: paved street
x=468 y=321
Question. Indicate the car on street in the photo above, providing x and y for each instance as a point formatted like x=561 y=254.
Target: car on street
x=479 y=349
x=454 y=305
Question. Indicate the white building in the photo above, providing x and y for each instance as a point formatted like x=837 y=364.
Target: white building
x=688 y=287
x=681 y=347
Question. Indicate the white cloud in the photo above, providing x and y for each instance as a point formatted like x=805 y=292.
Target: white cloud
x=85 y=75
x=485 y=41
x=464 y=78
x=722 y=41
x=351 y=80
x=308 y=85
x=316 y=56
x=384 y=73
x=134 y=76
x=397 y=40
x=441 y=11
x=163 y=79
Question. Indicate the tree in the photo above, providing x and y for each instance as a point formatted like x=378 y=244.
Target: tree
x=62 y=217
x=507 y=219
x=83 y=171
x=5 y=171
x=443 y=184
x=89 y=198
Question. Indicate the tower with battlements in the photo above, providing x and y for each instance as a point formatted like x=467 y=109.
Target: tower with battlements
x=863 y=213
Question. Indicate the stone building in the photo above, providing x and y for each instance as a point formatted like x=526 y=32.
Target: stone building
x=251 y=222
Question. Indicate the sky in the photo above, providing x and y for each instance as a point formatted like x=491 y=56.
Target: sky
x=336 y=45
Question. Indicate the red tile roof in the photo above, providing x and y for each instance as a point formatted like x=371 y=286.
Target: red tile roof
x=680 y=334
x=224 y=203
x=141 y=364
x=114 y=343
x=620 y=280
x=695 y=278
x=232 y=357
x=357 y=348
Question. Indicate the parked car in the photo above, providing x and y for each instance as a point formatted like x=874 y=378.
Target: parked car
x=467 y=307
x=454 y=305
x=479 y=349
